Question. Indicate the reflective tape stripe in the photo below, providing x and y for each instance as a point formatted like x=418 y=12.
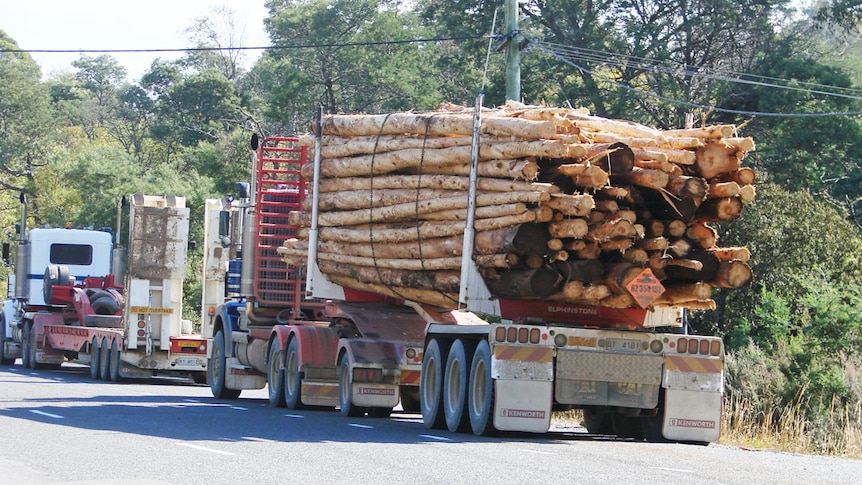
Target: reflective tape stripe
x=410 y=376
x=318 y=391
x=693 y=364
x=524 y=354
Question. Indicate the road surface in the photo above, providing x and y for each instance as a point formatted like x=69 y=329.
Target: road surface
x=60 y=427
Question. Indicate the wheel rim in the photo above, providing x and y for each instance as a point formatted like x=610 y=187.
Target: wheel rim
x=275 y=376
x=344 y=385
x=94 y=359
x=453 y=385
x=115 y=362
x=218 y=363
x=479 y=381
x=429 y=378
x=292 y=372
x=104 y=361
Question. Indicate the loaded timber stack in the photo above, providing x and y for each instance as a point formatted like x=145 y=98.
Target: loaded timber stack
x=569 y=206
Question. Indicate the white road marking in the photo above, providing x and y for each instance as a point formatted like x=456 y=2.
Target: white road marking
x=43 y=413
x=191 y=400
x=363 y=426
x=438 y=438
x=537 y=452
x=238 y=408
x=256 y=440
x=204 y=448
x=297 y=416
x=671 y=469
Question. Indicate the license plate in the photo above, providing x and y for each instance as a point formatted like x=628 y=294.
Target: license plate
x=188 y=362
x=623 y=345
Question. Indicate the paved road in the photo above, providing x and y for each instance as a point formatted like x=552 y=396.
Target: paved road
x=59 y=427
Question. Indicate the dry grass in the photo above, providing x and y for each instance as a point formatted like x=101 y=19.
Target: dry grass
x=787 y=429
x=782 y=429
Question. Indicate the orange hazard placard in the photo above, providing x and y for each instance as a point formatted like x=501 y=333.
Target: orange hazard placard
x=645 y=288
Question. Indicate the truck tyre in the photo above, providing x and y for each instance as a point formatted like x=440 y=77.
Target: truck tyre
x=292 y=376
x=410 y=399
x=480 y=394
x=54 y=275
x=104 y=361
x=95 y=359
x=379 y=412
x=217 y=370
x=105 y=305
x=652 y=428
x=455 y=386
x=627 y=426
x=275 y=375
x=3 y=359
x=114 y=362
x=431 y=384
x=345 y=384
x=31 y=341
x=25 y=345
x=597 y=422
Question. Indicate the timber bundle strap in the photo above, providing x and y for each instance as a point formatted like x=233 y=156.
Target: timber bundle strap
x=371 y=210
x=383 y=281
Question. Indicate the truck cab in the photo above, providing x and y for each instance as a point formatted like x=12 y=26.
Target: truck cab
x=83 y=252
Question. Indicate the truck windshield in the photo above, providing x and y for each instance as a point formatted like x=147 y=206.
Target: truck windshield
x=77 y=254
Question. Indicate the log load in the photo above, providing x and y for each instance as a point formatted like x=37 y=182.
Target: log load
x=569 y=206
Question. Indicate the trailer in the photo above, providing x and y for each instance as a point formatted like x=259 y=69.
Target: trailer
x=491 y=364
x=76 y=296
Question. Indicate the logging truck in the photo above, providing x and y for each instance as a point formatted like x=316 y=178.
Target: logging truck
x=78 y=295
x=453 y=310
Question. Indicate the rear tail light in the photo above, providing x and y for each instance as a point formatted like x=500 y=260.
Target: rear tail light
x=367 y=375
x=696 y=346
x=521 y=335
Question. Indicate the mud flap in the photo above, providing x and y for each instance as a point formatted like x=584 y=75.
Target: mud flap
x=523 y=405
x=692 y=415
x=374 y=395
x=238 y=376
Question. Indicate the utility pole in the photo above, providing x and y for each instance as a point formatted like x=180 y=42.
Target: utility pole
x=513 y=52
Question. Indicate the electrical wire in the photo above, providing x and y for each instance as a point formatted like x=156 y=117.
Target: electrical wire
x=669 y=67
x=213 y=49
x=620 y=85
x=567 y=54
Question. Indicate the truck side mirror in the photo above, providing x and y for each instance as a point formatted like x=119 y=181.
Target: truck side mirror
x=224 y=223
x=242 y=189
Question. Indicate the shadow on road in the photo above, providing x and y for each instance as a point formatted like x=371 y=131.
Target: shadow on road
x=133 y=410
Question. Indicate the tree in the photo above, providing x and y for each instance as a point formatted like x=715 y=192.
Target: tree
x=100 y=75
x=353 y=67
x=188 y=109
x=221 y=32
x=26 y=124
x=793 y=239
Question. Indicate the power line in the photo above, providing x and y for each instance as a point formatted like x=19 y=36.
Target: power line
x=669 y=67
x=215 y=49
x=568 y=61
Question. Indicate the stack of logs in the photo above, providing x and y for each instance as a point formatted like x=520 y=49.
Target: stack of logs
x=569 y=206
